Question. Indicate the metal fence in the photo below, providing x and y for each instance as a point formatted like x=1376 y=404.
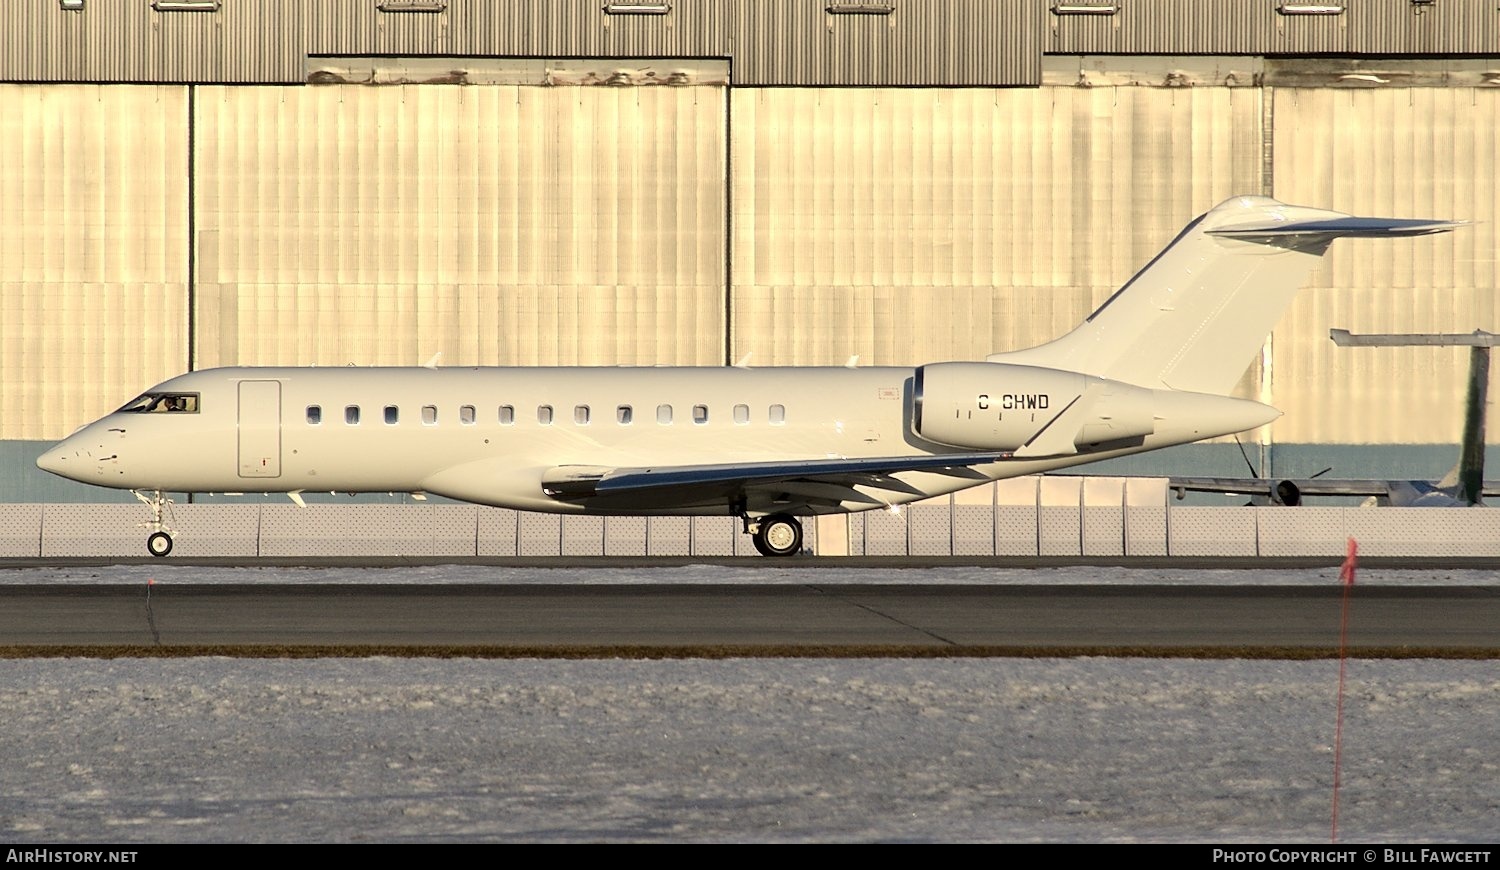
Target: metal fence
x=1083 y=517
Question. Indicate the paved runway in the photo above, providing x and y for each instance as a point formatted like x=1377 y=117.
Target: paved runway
x=785 y=619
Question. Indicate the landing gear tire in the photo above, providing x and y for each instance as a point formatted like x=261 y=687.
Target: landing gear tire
x=159 y=544
x=778 y=535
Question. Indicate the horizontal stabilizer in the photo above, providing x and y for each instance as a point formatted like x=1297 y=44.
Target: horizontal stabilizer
x=1348 y=227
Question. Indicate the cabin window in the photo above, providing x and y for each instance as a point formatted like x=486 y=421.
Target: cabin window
x=778 y=415
x=392 y=415
x=623 y=415
x=664 y=414
x=544 y=414
x=314 y=415
x=581 y=415
x=466 y=415
x=429 y=415
x=351 y=415
x=700 y=414
x=507 y=415
x=741 y=414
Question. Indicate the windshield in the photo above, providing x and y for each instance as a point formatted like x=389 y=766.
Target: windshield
x=162 y=403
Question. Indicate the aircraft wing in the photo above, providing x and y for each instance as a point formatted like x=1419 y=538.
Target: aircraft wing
x=827 y=481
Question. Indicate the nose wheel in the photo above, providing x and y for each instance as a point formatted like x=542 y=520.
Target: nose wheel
x=159 y=544
x=777 y=535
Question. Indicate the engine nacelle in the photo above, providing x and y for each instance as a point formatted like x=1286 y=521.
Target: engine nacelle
x=997 y=406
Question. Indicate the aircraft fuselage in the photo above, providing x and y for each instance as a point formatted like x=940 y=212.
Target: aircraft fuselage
x=490 y=435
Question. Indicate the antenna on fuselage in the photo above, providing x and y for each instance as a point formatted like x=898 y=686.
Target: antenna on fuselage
x=433 y=363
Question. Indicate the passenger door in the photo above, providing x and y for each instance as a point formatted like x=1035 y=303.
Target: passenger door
x=260 y=429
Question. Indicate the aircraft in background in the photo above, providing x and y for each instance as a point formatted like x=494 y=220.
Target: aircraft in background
x=1463 y=486
x=1152 y=367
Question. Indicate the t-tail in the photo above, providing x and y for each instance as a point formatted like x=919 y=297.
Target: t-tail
x=1197 y=315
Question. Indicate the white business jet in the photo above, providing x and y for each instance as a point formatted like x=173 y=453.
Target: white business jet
x=1151 y=368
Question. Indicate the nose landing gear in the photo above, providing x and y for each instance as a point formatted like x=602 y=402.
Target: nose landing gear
x=159 y=542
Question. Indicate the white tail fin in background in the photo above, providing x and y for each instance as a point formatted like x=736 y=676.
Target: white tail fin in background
x=1196 y=316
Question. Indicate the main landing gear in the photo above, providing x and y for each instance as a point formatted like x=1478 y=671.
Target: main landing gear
x=159 y=542
x=775 y=535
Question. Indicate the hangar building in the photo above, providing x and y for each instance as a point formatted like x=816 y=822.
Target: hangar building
x=196 y=183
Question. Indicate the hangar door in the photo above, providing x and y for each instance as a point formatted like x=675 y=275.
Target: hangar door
x=260 y=429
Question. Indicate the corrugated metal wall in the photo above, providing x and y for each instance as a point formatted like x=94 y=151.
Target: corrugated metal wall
x=920 y=42
x=497 y=225
x=531 y=225
x=771 y=42
x=1410 y=152
x=93 y=254
x=1194 y=27
x=907 y=226
x=1275 y=27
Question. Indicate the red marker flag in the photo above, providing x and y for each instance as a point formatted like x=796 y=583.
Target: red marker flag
x=1346 y=576
x=1351 y=562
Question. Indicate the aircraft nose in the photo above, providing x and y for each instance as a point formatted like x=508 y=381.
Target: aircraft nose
x=56 y=459
x=65 y=459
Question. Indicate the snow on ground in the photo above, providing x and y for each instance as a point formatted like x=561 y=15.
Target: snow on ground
x=994 y=750
x=743 y=750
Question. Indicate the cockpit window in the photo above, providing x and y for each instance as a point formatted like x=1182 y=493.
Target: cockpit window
x=162 y=403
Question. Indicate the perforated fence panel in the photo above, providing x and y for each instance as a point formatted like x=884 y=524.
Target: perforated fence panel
x=538 y=535
x=496 y=534
x=1424 y=532
x=222 y=530
x=931 y=528
x=1301 y=531
x=582 y=536
x=1103 y=531
x=885 y=533
x=1211 y=531
x=625 y=536
x=1146 y=531
x=719 y=536
x=1016 y=530
x=435 y=531
x=1146 y=516
x=20 y=530
x=93 y=530
x=973 y=530
x=669 y=536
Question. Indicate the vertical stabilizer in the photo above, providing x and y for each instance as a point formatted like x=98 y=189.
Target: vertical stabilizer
x=1471 y=448
x=1196 y=316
